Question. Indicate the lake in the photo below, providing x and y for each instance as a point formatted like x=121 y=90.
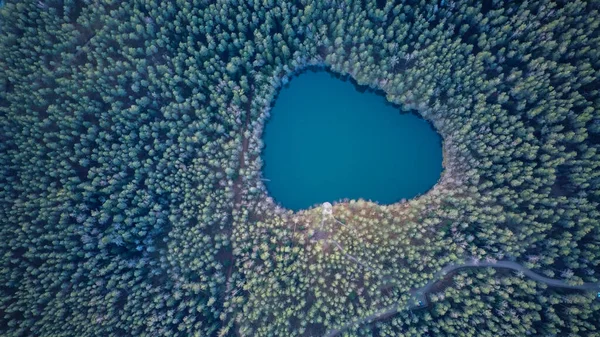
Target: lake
x=327 y=140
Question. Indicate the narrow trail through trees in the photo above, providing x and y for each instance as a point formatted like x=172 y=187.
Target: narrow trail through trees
x=419 y=295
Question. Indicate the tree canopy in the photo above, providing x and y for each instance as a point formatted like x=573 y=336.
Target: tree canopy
x=131 y=200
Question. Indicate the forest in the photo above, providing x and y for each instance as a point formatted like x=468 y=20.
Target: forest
x=131 y=198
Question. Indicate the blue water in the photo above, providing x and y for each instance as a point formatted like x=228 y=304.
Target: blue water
x=326 y=140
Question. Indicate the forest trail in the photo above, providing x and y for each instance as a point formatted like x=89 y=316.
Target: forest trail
x=237 y=184
x=420 y=293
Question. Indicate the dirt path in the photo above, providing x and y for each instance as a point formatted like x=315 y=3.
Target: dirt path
x=238 y=193
x=237 y=184
x=348 y=256
x=420 y=294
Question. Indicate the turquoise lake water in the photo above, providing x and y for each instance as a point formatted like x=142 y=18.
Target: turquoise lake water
x=326 y=140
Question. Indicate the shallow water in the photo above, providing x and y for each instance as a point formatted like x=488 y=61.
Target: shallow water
x=326 y=140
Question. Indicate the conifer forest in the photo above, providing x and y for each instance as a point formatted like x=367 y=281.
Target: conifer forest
x=132 y=200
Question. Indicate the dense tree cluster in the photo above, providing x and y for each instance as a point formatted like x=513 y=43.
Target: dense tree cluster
x=130 y=173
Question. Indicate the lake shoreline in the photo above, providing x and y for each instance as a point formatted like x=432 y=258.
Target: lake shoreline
x=448 y=175
x=326 y=140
